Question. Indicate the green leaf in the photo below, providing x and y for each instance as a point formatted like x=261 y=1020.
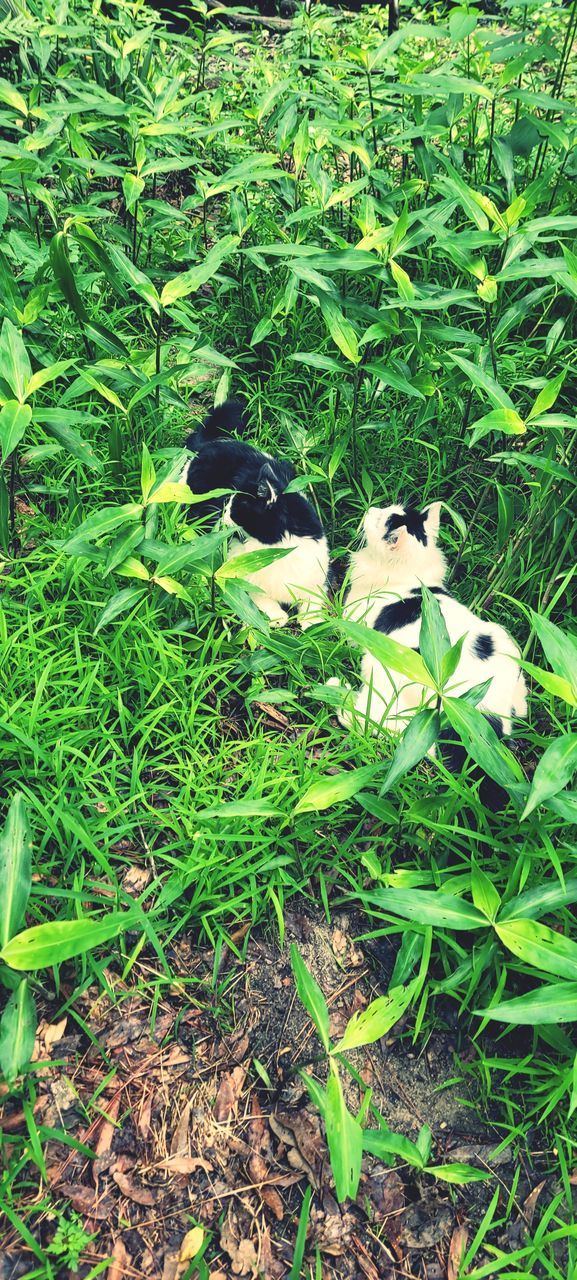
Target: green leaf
x=458 y=1174
x=120 y=603
x=557 y=685
x=554 y=770
x=405 y=286
x=461 y=24
x=484 y=382
x=335 y=788
x=132 y=187
x=12 y=97
x=418 y=738
x=14 y=419
x=64 y=275
x=547 y=397
x=539 y=901
x=17 y=1032
x=46 y=944
x=394 y=656
x=189 y=281
x=382 y=1143
x=249 y=562
x=344 y=1138
x=121 y=548
x=481 y=742
x=554 y=1003
x=311 y=996
x=340 y=329
x=540 y=947
x=560 y=648
x=434 y=642
x=57 y=423
x=136 y=279
x=15 y=367
x=368 y=1025
x=15 y=868
x=426 y=907
x=147 y=474
x=485 y=896
x=174 y=491
x=505 y=420
x=104 y=521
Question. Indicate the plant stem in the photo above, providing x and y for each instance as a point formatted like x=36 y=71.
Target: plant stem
x=158 y=341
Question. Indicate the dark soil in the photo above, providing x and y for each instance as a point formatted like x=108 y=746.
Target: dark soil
x=190 y=1145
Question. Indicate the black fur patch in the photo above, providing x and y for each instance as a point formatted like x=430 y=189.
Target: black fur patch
x=483 y=647
x=222 y=421
x=400 y=613
x=411 y=519
x=231 y=464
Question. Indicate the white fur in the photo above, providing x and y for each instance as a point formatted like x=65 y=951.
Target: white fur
x=298 y=578
x=388 y=570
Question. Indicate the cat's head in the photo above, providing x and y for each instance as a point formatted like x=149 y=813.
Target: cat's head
x=405 y=539
x=267 y=512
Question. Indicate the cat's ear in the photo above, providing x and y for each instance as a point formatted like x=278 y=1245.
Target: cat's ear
x=432 y=520
x=269 y=484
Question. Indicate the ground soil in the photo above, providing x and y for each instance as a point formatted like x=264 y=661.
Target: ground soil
x=203 y=1133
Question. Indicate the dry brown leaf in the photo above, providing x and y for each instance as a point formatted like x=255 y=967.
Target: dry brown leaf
x=530 y=1203
x=140 y=1195
x=257 y=1129
x=339 y=942
x=179 y=1142
x=229 y=1092
x=86 y=1200
x=170 y=1267
x=456 y=1252
x=191 y=1244
x=184 y=1164
x=135 y=880
x=121 y=1261
x=107 y=1129
x=54 y=1032
x=144 y=1115
x=259 y=1173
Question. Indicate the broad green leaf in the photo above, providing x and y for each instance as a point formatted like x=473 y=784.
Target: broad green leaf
x=340 y=329
x=434 y=642
x=484 y=382
x=121 y=547
x=426 y=907
x=485 y=896
x=336 y=787
x=48 y=374
x=560 y=648
x=120 y=603
x=557 y=685
x=132 y=187
x=382 y=1143
x=135 y=278
x=15 y=367
x=418 y=738
x=482 y=743
x=15 y=868
x=344 y=1138
x=368 y=1025
x=311 y=996
x=147 y=474
x=14 y=419
x=46 y=944
x=64 y=274
x=103 y=390
x=554 y=770
x=394 y=656
x=174 y=491
x=553 y=1003
x=541 y=900
x=104 y=521
x=58 y=424
x=547 y=397
x=12 y=97
x=461 y=24
x=458 y=1174
x=505 y=420
x=189 y=281
x=539 y=946
x=17 y=1032
x=403 y=281
x=172 y=587
x=248 y=562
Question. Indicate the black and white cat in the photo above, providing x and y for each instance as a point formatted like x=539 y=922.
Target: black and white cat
x=400 y=554
x=266 y=516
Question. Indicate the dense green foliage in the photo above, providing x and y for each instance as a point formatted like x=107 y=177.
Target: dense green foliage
x=371 y=240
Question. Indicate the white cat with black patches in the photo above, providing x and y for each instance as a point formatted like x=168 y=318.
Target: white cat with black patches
x=400 y=554
x=265 y=515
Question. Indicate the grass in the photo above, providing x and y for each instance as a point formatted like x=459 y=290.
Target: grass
x=125 y=165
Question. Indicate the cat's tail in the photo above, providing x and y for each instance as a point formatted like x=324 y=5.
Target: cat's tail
x=225 y=419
